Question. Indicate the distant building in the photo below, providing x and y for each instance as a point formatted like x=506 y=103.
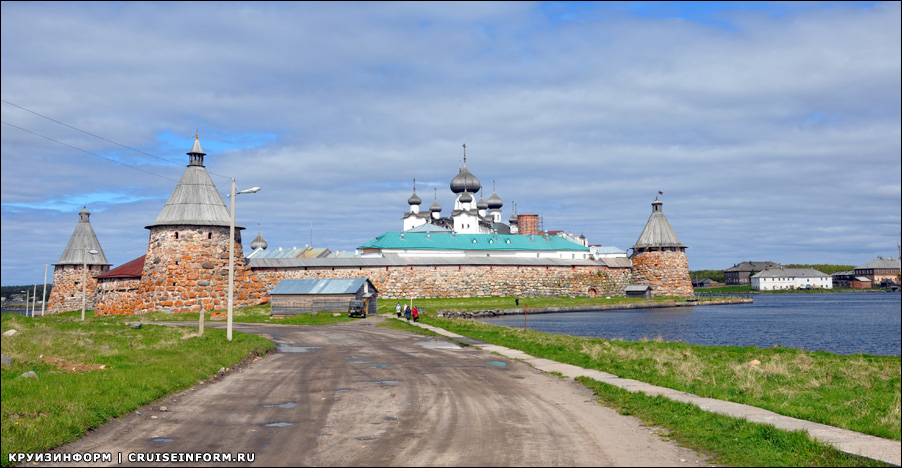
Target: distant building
x=791 y=278
x=703 y=283
x=305 y=296
x=880 y=270
x=742 y=272
x=843 y=279
x=607 y=251
x=451 y=244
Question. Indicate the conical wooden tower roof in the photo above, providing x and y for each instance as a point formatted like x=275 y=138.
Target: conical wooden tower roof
x=657 y=232
x=195 y=200
x=83 y=237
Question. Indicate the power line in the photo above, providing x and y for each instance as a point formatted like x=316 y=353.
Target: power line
x=88 y=133
x=87 y=152
x=95 y=136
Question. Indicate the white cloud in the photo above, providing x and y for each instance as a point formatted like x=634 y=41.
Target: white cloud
x=773 y=135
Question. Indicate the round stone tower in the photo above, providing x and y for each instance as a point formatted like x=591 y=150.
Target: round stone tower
x=82 y=261
x=187 y=263
x=659 y=258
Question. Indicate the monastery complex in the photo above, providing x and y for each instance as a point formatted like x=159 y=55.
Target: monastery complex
x=471 y=252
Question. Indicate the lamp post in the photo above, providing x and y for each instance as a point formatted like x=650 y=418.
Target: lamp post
x=232 y=255
x=84 y=278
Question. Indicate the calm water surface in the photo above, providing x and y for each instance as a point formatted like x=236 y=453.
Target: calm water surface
x=841 y=323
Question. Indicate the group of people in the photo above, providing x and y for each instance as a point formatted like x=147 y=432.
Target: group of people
x=408 y=312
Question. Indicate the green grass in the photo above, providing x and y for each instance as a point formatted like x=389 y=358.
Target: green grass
x=141 y=366
x=729 y=441
x=255 y=314
x=855 y=392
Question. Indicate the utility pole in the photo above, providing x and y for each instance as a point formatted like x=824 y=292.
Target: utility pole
x=44 y=294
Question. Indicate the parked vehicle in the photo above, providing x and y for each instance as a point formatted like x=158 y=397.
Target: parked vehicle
x=356 y=308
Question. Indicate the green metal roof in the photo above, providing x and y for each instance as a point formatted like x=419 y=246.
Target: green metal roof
x=452 y=241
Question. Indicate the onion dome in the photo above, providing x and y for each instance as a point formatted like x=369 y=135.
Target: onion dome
x=481 y=204
x=414 y=199
x=494 y=201
x=435 y=206
x=513 y=218
x=464 y=181
x=258 y=242
x=466 y=198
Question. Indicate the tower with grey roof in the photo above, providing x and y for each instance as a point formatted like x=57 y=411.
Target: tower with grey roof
x=659 y=257
x=82 y=260
x=186 y=267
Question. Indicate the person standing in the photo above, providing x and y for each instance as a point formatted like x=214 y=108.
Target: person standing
x=416 y=314
x=407 y=313
x=398 y=309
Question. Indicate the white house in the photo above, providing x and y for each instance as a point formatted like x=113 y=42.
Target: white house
x=791 y=278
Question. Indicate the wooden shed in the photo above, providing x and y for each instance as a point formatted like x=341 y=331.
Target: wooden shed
x=305 y=296
x=639 y=290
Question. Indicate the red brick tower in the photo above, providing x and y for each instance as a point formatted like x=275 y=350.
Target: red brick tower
x=659 y=258
x=187 y=263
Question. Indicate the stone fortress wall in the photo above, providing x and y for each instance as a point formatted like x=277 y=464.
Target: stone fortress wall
x=399 y=282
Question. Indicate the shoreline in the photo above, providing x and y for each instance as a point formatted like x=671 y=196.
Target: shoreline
x=591 y=308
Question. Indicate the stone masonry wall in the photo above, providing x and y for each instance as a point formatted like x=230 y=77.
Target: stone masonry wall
x=666 y=271
x=66 y=293
x=470 y=281
x=187 y=270
x=117 y=296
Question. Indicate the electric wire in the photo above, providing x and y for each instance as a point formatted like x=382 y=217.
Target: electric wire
x=98 y=137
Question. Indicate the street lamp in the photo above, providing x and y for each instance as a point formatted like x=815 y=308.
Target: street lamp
x=232 y=255
x=84 y=278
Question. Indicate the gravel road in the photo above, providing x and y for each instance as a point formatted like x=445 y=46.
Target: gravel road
x=360 y=395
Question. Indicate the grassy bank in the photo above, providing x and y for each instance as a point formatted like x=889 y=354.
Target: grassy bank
x=729 y=441
x=73 y=393
x=856 y=392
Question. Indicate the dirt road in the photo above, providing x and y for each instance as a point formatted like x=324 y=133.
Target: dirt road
x=360 y=395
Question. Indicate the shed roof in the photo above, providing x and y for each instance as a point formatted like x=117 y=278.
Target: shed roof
x=320 y=286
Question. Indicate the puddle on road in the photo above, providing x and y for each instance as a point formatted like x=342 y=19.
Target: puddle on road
x=284 y=348
x=289 y=404
x=366 y=438
x=432 y=344
x=279 y=424
x=343 y=390
x=379 y=366
x=161 y=439
x=361 y=362
x=496 y=363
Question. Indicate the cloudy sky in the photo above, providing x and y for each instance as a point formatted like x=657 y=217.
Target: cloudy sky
x=772 y=129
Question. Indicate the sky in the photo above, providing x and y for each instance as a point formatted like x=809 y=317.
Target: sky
x=772 y=130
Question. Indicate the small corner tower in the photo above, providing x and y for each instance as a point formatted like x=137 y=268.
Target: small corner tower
x=187 y=263
x=659 y=258
x=82 y=260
